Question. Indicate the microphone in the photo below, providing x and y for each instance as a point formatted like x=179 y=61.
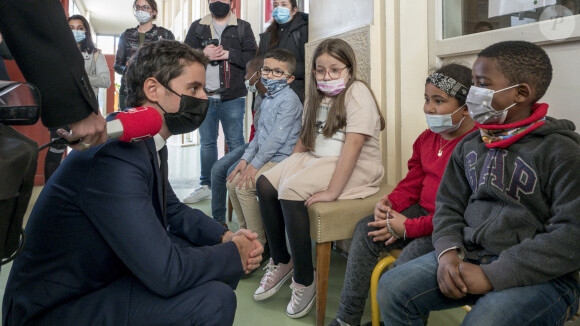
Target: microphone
x=131 y=125
x=135 y=124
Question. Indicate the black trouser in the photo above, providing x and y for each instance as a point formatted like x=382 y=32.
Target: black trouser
x=286 y=215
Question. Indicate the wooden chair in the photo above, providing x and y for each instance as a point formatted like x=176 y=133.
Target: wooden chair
x=331 y=221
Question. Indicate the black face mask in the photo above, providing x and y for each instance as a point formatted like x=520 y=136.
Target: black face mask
x=189 y=117
x=219 y=9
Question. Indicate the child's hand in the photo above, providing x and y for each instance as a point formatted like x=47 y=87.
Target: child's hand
x=323 y=196
x=397 y=222
x=239 y=168
x=248 y=175
x=381 y=208
x=475 y=279
x=450 y=282
x=385 y=200
x=382 y=233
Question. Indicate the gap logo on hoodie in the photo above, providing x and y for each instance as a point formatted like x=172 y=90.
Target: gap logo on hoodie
x=522 y=181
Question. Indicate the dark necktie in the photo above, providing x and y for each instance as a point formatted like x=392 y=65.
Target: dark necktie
x=164 y=178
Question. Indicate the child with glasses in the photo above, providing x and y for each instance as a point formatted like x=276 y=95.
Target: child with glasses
x=280 y=122
x=337 y=157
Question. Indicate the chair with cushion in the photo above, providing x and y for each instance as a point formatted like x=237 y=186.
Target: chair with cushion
x=332 y=221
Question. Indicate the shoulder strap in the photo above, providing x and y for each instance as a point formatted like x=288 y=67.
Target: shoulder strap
x=241 y=30
x=199 y=31
x=296 y=37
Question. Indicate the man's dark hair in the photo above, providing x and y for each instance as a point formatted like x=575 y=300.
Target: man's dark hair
x=522 y=62
x=285 y=56
x=164 y=60
x=255 y=64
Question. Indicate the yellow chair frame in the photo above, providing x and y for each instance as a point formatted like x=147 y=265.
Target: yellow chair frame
x=377 y=272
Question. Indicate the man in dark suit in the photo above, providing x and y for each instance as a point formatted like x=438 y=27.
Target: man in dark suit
x=109 y=243
x=40 y=40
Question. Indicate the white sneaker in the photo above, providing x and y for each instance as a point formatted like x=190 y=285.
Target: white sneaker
x=303 y=298
x=275 y=276
x=200 y=193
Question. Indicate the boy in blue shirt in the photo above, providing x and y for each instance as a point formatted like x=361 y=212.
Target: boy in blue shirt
x=280 y=123
x=506 y=223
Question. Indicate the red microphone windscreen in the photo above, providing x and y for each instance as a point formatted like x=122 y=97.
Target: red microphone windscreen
x=139 y=123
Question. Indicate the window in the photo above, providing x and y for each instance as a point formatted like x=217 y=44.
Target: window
x=107 y=43
x=463 y=17
x=73 y=9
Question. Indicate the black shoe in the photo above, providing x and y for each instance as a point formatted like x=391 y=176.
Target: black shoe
x=335 y=322
x=370 y=323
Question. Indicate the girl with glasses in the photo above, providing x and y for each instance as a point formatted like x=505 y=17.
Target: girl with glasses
x=336 y=157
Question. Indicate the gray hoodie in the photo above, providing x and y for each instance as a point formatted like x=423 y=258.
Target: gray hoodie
x=521 y=203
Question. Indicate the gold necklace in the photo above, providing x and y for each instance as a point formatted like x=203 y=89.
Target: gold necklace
x=441 y=146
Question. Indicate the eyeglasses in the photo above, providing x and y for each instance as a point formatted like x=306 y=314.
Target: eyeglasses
x=275 y=72
x=144 y=7
x=334 y=73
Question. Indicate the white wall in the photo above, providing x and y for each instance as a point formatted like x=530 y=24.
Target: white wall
x=331 y=17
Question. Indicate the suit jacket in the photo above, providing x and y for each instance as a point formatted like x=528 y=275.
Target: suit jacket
x=38 y=35
x=99 y=221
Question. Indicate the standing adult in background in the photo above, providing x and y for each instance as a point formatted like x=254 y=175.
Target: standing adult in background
x=289 y=30
x=145 y=12
x=229 y=43
x=99 y=77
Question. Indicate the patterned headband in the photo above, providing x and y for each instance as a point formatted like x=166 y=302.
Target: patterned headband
x=449 y=85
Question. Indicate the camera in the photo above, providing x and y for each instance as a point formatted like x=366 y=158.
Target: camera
x=215 y=42
x=19 y=103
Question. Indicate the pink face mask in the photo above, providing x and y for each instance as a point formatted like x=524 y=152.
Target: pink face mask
x=331 y=87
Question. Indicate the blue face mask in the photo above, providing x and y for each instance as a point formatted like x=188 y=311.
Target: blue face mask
x=273 y=86
x=79 y=35
x=443 y=123
x=281 y=15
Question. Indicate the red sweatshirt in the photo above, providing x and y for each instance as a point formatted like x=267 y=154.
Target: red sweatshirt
x=422 y=181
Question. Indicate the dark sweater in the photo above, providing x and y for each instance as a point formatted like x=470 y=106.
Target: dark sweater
x=242 y=49
x=288 y=33
x=129 y=44
x=520 y=203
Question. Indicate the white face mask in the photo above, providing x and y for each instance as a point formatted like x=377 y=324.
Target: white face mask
x=142 y=16
x=443 y=123
x=251 y=88
x=479 y=106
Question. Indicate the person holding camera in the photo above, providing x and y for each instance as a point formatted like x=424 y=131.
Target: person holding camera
x=229 y=43
x=145 y=11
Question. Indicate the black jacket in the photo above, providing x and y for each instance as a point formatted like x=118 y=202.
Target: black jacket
x=293 y=41
x=40 y=40
x=129 y=44
x=239 y=40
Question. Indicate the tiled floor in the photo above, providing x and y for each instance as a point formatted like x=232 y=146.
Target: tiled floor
x=184 y=170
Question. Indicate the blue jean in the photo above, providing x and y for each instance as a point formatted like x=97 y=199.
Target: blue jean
x=410 y=291
x=231 y=115
x=219 y=172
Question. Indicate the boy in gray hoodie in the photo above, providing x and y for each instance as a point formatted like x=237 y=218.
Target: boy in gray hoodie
x=507 y=218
